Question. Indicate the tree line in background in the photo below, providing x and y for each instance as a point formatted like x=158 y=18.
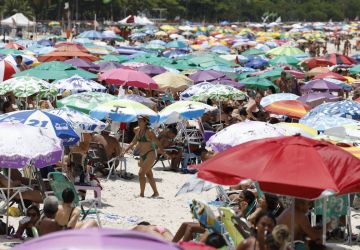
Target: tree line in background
x=194 y=10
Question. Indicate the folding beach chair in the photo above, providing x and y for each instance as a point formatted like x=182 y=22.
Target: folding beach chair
x=98 y=155
x=226 y=217
x=59 y=182
x=193 y=141
x=14 y=191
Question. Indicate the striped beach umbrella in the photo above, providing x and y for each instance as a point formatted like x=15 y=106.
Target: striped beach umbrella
x=6 y=70
x=291 y=108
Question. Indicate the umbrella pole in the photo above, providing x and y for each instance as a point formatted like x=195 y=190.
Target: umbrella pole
x=348 y=221
x=8 y=202
x=220 y=112
x=324 y=221
x=293 y=223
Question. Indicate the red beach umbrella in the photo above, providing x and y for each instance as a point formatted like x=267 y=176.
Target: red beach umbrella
x=294 y=166
x=128 y=77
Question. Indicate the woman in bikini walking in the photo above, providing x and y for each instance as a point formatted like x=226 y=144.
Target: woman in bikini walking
x=148 y=146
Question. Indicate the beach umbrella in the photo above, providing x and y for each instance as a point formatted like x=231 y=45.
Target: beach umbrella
x=6 y=51
x=91 y=34
x=6 y=70
x=177 y=44
x=284 y=60
x=172 y=81
x=269 y=99
x=313 y=168
x=183 y=110
x=85 y=101
x=347 y=132
x=72 y=47
x=82 y=123
x=152 y=70
x=345 y=109
x=38 y=51
x=16 y=46
x=252 y=52
x=285 y=50
x=24 y=86
x=98 y=239
x=206 y=75
x=55 y=71
x=63 y=55
x=195 y=89
x=355 y=69
x=115 y=58
x=316 y=98
x=219 y=92
x=121 y=110
x=256 y=63
x=45 y=42
x=271 y=74
x=77 y=84
x=27 y=59
x=111 y=35
x=258 y=83
x=55 y=125
x=322 y=122
x=108 y=65
x=295 y=73
x=138 y=98
x=242 y=132
x=195 y=185
x=297 y=128
x=83 y=64
x=128 y=77
x=316 y=62
x=317 y=71
x=173 y=53
x=226 y=81
x=342 y=84
x=321 y=84
x=338 y=59
x=330 y=75
x=291 y=108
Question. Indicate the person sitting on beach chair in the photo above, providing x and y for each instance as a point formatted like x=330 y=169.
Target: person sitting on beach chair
x=173 y=151
x=47 y=223
x=28 y=222
x=68 y=216
x=110 y=143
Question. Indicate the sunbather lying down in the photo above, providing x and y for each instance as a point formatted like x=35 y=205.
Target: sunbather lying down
x=158 y=231
x=31 y=195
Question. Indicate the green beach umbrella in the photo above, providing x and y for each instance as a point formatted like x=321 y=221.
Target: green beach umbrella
x=284 y=60
x=285 y=50
x=220 y=92
x=274 y=73
x=55 y=71
x=115 y=58
x=252 y=52
x=85 y=101
x=7 y=51
x=258 y=83
x=24 y=86
x=355 y=70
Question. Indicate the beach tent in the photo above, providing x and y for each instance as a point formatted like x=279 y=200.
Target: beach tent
x=137 y=20
x=17 y=20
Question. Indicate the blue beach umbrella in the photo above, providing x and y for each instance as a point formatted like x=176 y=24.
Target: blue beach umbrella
x=345 y=109
x=53 y=123
x=322 y=122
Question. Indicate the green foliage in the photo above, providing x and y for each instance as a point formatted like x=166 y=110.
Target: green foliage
x=195 y=10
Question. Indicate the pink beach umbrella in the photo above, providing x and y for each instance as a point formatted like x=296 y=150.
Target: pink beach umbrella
x=128 y=77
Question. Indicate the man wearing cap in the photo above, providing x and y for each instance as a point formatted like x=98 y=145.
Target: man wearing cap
x=110 y=143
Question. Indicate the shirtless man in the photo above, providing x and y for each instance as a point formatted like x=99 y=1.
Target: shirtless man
x=47 y=223
x=111 y=145
x=303 y=227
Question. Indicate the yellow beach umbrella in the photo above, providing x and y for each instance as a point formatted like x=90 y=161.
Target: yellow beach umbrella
x=294 y=128
x=172 y=81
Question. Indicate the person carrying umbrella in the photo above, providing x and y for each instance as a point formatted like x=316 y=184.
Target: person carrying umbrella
x=148 y=145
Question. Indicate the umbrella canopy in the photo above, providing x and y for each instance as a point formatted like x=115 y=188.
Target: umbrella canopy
x=24 y=86
x=123 y=111
x=321 y=84
x=284 y=60
x=314 y=167
x=205 y=75
x=108 y=65
x=297 y=128
x=77 y=84
x=355 y=69
x=345 y=109
x=17 y=146
x=85 y=101
x=291 y=108
x=138 y=98
x=316 y=98
x=242 y=132
x=285 y=50
x=338 y=59
x=172 y=81
x=253 y=52
x=98 y=239
x=62 y=55
x=81 y=122
x=55 y=71
x=269 y=99
x=219 y=92
x=351 y=132
x=195 y=89
x=6 y=70
x=316 y=62
x=195 y=185
x=55 y=125
x=330 y=75
x=91 y=34
x=115 y=58
x=177 y=44
x=152 y=70
x=129 y=78
x=181 y=110
x=256 y=63
x=83 y=64
x=317 y=71
x=322 y=122
x=258 y=83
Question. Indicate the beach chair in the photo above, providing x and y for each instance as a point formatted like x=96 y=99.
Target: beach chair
x=223 y=196
x=58 y=182
x=98 y=155
x=226 y=217
x=193 y=141
x=14 y=191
